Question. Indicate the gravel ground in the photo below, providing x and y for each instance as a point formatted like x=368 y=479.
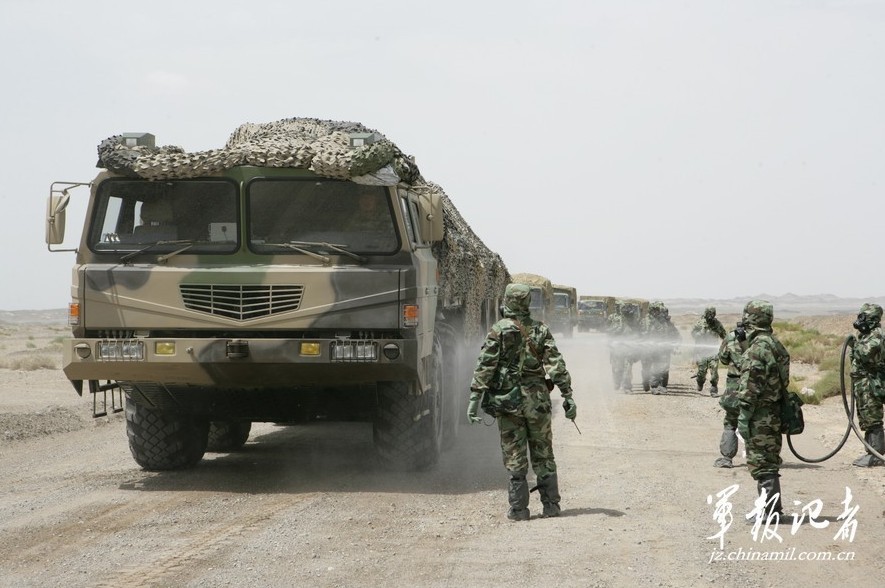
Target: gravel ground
x=307 y=505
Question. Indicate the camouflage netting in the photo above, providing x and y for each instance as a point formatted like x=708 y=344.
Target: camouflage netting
x=469 y=271
x=322 y=146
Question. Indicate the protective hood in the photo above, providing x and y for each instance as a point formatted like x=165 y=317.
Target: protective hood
x=758 y=314
x=516 y=301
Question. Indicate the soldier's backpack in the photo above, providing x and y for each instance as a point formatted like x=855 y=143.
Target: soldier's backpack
x=792 y=419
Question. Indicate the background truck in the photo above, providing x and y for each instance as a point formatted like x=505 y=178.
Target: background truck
x=565 y=310
x=305 y=270
x=593 y=312
x=541 y=305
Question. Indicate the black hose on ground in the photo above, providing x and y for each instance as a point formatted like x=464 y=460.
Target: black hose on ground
x=849 y=411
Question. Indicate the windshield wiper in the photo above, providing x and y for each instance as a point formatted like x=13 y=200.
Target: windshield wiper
x=188 y=244
x=336 y=248
x=294 y=247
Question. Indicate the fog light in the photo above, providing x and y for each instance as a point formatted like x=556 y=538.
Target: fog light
x=391 y=351
x=310 y=348
x=83 y=350
x=164 y=347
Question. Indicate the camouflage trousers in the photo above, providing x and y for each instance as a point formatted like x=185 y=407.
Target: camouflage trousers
x=869 y=406
x=658 y=369
x=764 y=442
x=729 y=402
x=529 y=432
x=708 y=364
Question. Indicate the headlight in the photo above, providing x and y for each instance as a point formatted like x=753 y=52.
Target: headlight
x=120 y=350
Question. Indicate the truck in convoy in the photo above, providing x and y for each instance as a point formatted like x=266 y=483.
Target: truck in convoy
x=306 y=270
x=565 y=310
x=593 y=312
x=541 y=305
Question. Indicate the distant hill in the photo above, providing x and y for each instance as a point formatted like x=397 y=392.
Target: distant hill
x=784 y=306
x=30 y=317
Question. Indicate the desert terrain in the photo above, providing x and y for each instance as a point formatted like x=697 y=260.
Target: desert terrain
x=308 y=506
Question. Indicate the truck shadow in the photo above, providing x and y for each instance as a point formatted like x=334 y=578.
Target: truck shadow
x=339 y=457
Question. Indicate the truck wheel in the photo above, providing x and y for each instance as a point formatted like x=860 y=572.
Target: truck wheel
x=227 y=435
x=162 y=440
x=408 y=428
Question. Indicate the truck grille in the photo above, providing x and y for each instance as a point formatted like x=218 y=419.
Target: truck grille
x=241 y=302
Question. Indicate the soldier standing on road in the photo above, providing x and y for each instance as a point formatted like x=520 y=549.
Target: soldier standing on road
x=765 y=374
x=867 y=364
x=730 y=353
x=661 y=336
x=522 y=350
x=708 y=333
x=624 y=339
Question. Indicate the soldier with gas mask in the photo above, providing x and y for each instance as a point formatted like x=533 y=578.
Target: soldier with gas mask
x=730 y=353
x=867 y=365
x=765 y=374
x=519 y=355
x=708 y=333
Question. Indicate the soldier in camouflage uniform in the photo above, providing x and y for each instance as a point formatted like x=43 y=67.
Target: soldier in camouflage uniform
x=730 y=353
x=624 y=340
x=765 y=374
x=525 y=348
x=659 y=336
x=867 y=364
x=708 y=333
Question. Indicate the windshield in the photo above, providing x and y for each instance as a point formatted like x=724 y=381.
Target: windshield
x=159 y=216
x=288 y=216
x=593 y=306
x=561 y=300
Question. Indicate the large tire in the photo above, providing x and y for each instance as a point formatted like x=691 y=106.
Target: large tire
x=162 y=440
x=408 y=427
x=228 y=435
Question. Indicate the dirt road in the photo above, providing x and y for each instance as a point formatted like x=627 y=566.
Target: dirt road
x=307 y=506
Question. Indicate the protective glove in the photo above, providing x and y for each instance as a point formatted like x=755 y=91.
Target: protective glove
x=472 y=408
x=744 y=422
x=851 y=340
x=570 y=408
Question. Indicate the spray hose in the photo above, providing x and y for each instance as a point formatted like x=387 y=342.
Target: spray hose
x=849 y=407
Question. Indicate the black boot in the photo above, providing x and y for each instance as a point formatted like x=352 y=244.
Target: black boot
x=714 y=389
x=875 y=438
x=518 y=495
x=548 y=488
x=772 y=487
x=700 y=382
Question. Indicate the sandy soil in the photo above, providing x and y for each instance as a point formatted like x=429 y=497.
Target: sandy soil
x=307 y=505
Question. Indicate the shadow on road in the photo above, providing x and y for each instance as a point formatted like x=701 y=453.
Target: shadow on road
x=331 y=456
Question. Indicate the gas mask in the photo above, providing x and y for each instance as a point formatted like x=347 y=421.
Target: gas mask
x=740 y=331
x=861 y=324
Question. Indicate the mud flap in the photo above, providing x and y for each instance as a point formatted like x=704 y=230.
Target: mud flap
x=109 y=388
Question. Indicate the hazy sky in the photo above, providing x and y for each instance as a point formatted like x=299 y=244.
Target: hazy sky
x=663 y=149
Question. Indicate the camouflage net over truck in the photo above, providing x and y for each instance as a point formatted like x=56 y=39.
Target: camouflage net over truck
x=469 y=271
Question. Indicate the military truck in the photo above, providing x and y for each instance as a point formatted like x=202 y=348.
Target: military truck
x=565 y=310
x=640 y=304
x=593 y=312
x=304 y=271
x=541 y=305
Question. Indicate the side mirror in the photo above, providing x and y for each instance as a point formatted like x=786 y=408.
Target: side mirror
x=432 y=216
x=55 y=217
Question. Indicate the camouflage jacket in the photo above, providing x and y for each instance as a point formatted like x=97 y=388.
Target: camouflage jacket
x=765 y=370
x=500 y=357
x=658 y=328
x=705 y=331
x=868 y=355
x=731 y=352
